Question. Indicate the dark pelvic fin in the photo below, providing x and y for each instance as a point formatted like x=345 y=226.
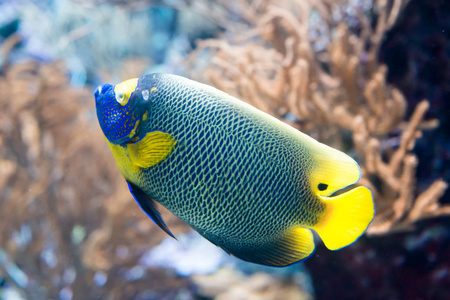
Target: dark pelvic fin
x=293 y=246
x=148 y=205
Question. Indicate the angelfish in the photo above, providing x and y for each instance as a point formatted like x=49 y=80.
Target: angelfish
x=246 y=181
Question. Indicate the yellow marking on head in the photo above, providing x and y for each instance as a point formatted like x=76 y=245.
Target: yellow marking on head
x=123 y=90
x=133 y=131
x=130 y=171
x=153 y=89
x=145 y=116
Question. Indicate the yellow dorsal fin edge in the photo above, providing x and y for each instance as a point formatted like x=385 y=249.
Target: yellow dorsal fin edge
x=333 y=168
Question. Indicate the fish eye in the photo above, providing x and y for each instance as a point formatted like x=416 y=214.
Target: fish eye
x=120 y=97
x=322 y=186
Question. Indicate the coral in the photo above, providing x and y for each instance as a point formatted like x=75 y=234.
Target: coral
x=417 y=51
x=315 y=65
x=228 y=284
x=68 y=225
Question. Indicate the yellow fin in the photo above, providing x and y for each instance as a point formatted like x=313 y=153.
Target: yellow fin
x=333 y=170
x=346 y=217
x=295 y=245
x=151 y=149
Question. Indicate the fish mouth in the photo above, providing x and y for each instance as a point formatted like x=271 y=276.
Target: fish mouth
x=120 y=124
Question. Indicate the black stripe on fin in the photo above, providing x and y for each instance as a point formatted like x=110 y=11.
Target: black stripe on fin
x=148 y=205
x=293 y=246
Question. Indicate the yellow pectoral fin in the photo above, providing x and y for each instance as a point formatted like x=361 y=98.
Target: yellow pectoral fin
x=346 y=218
x=152 y=149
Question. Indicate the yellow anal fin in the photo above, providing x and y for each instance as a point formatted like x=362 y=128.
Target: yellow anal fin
x=297 y=244
x=346 y=217
x=151 y=149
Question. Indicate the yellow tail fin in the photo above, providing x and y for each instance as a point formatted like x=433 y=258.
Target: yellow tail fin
x=346 y=217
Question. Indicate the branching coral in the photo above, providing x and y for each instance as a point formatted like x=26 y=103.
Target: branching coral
x=314 y=64
x=68 y=225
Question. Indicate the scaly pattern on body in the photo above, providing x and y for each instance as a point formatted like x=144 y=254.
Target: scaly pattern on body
x=243 y=179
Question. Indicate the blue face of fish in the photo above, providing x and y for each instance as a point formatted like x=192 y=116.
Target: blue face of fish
x=119 y=111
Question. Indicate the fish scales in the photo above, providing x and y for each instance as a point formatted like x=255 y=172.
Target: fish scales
x=246 y=181
x=206 y=190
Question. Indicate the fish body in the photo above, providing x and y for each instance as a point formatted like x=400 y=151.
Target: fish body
x=246 y=181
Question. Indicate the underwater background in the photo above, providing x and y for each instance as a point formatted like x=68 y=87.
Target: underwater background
x=369 y=77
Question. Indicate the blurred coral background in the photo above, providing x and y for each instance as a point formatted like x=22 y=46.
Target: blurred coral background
x=370 y=77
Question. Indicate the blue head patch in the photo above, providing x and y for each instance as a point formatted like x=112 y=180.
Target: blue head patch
x=117 y=113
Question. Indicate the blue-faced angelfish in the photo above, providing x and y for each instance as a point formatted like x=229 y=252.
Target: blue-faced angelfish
x=246 y=181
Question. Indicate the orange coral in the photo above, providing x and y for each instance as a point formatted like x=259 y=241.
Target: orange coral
x=65 y=208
